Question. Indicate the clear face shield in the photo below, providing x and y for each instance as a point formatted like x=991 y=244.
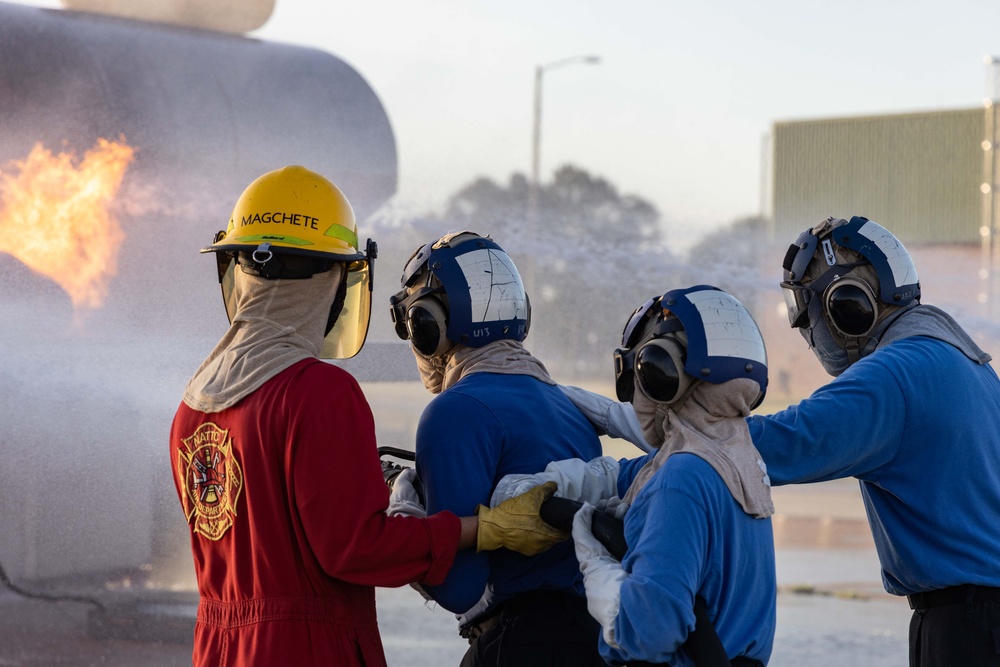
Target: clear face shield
x=347 y=336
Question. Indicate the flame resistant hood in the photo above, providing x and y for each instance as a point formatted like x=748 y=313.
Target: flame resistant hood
x=711 y=425
x=277 y=323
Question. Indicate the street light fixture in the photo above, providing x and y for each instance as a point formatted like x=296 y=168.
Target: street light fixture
x=536 y=143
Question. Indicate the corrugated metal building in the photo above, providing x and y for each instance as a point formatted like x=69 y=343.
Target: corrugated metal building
x=918 y=174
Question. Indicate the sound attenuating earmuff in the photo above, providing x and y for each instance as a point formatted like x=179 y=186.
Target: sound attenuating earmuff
x=427 y=325
x=659 y=369
x=851 y=306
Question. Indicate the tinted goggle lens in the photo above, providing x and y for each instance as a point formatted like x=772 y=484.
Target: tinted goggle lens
x=797 y=299
x=657 y=373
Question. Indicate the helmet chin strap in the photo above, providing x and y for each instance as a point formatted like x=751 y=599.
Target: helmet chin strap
x=853 y=346
x=853 y=349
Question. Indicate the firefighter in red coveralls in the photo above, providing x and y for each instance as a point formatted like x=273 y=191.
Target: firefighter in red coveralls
x=274 y=453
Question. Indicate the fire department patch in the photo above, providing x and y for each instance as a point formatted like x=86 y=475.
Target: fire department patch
x=211 y=480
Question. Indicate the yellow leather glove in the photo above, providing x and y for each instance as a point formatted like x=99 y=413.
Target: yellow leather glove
x=516 y=525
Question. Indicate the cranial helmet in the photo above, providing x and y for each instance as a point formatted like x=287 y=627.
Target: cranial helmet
x=674 y=341
x=462 y=288
x=291 y=224
x=857 y=269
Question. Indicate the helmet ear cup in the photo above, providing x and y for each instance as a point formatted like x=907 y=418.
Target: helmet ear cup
x=851 y=306
x=427 y=325
x=659 y=369
x=527 y=323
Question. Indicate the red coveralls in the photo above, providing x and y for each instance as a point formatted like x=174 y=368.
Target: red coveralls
x=286 y=502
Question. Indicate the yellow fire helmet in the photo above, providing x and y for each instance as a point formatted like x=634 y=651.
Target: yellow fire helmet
x=292 y=223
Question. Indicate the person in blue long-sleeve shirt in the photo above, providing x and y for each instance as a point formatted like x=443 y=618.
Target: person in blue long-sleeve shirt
x=496 y=411
x=696 y=510
x=913 y=413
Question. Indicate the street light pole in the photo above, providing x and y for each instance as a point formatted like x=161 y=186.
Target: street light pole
x=536 y=134
x=536 y=148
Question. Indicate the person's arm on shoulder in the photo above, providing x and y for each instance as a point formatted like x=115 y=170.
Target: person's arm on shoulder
x=847 y=428
x=608 y=417
x=575 y=479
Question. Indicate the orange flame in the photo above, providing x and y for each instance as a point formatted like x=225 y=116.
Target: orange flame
x=55 y=218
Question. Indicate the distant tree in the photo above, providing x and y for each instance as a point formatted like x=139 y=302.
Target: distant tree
x=592 y=206
x=589 y=253
x=574 y=205
x=485 y=203
x=591 y=257
x=730 y=258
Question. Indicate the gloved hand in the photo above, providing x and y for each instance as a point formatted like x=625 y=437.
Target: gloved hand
x=602 y=574
x=404 y=499
x=516 y=525
x=576 y=479
x=615 y=507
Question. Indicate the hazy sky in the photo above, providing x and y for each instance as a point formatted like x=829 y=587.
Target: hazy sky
x=678 y=108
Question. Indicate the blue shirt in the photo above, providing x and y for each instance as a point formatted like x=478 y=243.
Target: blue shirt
x=486 y=426
x=687 y=537
x=918 y=423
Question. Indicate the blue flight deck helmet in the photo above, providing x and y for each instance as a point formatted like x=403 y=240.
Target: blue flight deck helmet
x=850 y=304
x=462 y=288
x=687 y=335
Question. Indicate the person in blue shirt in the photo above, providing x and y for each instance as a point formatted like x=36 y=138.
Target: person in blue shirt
x=913 y=413
x=496 y=411
x=696 y=509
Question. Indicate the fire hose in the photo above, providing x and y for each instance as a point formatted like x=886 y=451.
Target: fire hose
x=702 y=643
x=47 y=597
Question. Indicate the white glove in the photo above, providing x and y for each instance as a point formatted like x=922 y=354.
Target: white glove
x=577 y=479
x=616 y=507
x=404 y=500
x=608 y=417
x=602 y=574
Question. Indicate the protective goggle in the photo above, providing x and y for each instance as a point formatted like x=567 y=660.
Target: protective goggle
x=797 y=298
x=796 y=261
x=400 y=305
x=852 y=310
x=636 y=324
